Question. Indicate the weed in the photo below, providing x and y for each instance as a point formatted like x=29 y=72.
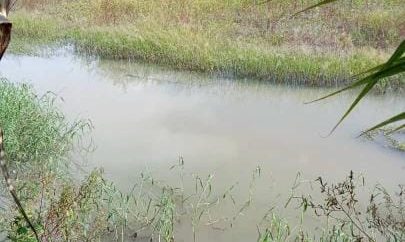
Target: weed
x=381 y=219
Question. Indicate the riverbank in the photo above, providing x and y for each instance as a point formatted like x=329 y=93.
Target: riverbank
x=238 y=38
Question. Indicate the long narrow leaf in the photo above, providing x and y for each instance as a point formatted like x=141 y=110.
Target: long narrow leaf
x=390 y=71
x=398 y=53
x=364 y=92
x=397 y=129
x=372 y=81
x=394 y=65
x=396 y=68
x=377 y=68
x=374 y=69
x=351 y=86
x=394 y=119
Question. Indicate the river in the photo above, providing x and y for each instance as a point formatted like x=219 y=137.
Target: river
x=145 y=117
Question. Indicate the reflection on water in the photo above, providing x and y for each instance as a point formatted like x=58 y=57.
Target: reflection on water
x=145 y=117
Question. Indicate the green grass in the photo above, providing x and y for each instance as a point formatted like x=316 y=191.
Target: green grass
x=36 y=132
x=235 y=38
x=38 y=141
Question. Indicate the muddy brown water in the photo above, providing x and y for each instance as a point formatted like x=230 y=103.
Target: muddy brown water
x=145 y=117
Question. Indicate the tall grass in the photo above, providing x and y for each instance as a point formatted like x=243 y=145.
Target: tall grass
x=236 y=37
x=37 y=133
x=38 y=140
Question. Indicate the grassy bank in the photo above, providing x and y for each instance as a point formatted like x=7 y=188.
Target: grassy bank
x=236 y=38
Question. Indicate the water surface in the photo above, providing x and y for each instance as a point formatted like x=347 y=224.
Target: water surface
x=145 y=117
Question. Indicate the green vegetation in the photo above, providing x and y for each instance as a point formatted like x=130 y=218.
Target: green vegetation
x=37 y=134
x=231 y=37
x=238 y=38
x=38 y=141
x=388 y=137
x=394 y=66
x=344 y=214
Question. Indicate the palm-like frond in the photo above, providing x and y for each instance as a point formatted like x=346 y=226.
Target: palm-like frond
x=395 y=65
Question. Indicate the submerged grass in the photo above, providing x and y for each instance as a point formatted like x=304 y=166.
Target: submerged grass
x=236 y=38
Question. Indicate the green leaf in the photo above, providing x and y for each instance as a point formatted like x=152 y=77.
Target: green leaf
x=397 y=129
x=394 y=130
x=351 y=86
x=394 y=65
x=397 y=54
x=363 y=93
x=376 y=68
x=390 y=71
x=371 y=81
x=394 y=119
x=396 y=68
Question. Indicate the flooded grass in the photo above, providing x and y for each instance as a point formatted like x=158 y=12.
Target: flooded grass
x=216 y=36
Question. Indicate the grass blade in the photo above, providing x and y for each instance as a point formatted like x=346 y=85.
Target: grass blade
x=364 y=92
x=397 y=54
x=395 y=65
x=371 y=81
x=391 y=120
x=351 y=86
x=377 y=68
x=390 y=71
x=394 y=68
x=397 y=129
